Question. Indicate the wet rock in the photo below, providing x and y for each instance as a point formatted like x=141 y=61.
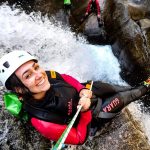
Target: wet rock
x=124 y=24
x=144 y=24
x=136 y=12
x=16 y=135
x=123 y=133
x=93 y=32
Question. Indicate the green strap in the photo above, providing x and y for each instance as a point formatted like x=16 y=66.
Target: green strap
x=68 y=2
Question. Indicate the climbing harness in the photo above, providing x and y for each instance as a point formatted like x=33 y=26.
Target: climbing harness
x=64 y=135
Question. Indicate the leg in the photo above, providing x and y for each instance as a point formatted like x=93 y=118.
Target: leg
x=104 y=90
x=99 y=20
x=100 y=23
x=117 y=102
x=111 y=106
x=67 y=8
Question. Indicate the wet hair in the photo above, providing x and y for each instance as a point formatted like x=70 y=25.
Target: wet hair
x=14 y=82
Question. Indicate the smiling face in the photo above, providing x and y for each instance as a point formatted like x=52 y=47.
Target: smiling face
x=34 y=78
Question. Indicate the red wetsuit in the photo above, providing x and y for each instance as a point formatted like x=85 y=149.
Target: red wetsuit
x=53 y=131
x=93 y=6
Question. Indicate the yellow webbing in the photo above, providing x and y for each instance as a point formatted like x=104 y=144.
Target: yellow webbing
x=53 y=74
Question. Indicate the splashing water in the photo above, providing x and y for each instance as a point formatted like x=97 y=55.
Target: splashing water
x=57 y=47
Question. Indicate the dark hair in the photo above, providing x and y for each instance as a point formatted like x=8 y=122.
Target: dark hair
x=14 y=82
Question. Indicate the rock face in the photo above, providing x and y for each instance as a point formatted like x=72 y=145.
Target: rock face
x=123 y=133
x=16 y=135
x=128 y=27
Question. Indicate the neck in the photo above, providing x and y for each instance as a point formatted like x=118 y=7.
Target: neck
x=39 y=96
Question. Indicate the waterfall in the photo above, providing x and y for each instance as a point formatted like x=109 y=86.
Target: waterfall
x=59 y=49
x=56 y=47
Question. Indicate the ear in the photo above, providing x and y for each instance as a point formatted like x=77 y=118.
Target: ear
x=18 y=90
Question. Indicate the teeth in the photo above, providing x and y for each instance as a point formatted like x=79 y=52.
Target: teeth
x=41 y=82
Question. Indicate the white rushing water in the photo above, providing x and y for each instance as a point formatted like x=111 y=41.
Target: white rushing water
x=57 y=48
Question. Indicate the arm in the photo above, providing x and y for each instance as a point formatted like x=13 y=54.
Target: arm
x=53 y=131
x=73 y=82
x=88 y=7
x=77 y=85
x=70 y=80
x=85 y=94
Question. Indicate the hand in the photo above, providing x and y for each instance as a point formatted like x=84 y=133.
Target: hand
x=85 y=93
x=86 y=14
x=98 y=16
x=85 y=103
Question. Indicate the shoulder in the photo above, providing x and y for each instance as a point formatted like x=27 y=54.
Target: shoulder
x=53 y=75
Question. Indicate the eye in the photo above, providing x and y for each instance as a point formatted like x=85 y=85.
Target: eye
x=27 y=76
x=36 y=67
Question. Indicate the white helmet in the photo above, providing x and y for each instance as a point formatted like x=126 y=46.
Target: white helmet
x=10 y=62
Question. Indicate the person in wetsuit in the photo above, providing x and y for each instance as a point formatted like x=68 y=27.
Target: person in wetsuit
x=67 y=6
x=51 y=99
x=93 y=7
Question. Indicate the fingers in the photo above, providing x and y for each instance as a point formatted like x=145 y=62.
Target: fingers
x=85 y=93
x=98 y=16
x=86 y=14
x=85 y=103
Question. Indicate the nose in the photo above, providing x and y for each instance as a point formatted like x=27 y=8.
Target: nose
x=38 y=75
